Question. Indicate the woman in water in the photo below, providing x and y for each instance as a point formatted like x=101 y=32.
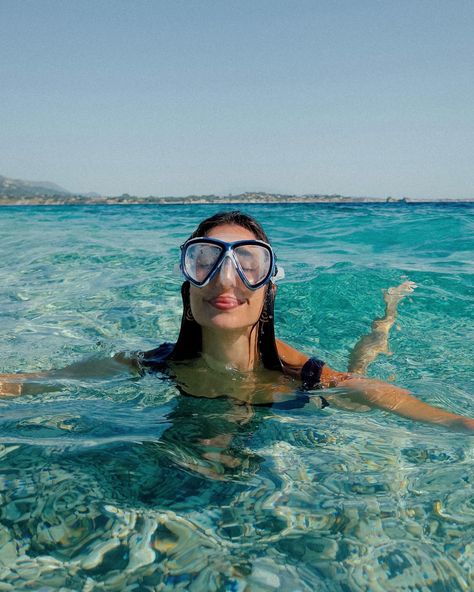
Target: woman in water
x=227 y=345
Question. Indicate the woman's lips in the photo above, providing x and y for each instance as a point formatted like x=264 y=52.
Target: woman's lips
x=225 y=302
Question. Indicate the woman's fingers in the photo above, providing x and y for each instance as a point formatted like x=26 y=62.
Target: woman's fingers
x=10 y=389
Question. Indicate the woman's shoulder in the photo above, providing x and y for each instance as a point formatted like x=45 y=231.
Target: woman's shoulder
x=290 y=356
x=310 y=370
x=162 y=351
x=301 y=366
x=155 y=359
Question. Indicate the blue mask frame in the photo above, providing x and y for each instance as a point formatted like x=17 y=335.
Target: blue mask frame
x=227 y=250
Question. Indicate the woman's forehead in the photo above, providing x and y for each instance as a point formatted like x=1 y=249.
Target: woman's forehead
x=230 y=233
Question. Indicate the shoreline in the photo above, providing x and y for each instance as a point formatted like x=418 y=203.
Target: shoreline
x=210 y=200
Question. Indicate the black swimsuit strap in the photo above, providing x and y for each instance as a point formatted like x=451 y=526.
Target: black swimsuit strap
x=311 y=374
x=311 y=378
x=156 y=360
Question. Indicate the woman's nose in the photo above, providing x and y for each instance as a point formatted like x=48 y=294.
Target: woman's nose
x=227 y=275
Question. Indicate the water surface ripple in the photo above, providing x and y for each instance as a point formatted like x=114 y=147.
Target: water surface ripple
x=105 y=484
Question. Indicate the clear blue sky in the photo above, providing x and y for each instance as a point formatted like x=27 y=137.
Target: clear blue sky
x=200 y=96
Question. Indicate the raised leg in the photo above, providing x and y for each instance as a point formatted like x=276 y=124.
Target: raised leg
x=368 y=348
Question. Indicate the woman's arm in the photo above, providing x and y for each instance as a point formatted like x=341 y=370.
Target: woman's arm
x=30 y=383
x=376 y=393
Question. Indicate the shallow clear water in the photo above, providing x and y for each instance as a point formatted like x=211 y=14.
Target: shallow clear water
x=105 y=484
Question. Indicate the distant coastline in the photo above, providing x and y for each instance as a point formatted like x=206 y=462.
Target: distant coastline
x=243 y=198
x=18 y=192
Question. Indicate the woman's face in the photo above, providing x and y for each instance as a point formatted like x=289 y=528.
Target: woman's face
x=225 y=302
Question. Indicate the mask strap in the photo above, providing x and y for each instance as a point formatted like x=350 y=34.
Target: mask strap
x=280 y=274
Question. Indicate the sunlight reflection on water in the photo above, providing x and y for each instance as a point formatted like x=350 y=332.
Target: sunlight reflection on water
x=124 y=484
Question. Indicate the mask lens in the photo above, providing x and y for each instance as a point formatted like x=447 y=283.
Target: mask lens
x=200 y=259
x=255 y=261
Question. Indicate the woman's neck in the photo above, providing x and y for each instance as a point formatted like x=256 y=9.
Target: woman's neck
x=235 y=349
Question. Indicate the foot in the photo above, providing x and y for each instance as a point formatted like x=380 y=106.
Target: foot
x=392 y=296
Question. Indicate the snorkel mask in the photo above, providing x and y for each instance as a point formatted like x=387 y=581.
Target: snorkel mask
x=253 y=260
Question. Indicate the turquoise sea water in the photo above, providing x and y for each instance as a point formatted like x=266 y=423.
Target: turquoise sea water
x=105 y=483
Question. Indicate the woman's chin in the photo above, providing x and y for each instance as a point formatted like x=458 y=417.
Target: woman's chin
x=225 y=321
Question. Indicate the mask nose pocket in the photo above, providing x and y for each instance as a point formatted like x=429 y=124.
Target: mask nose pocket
x=228 y=272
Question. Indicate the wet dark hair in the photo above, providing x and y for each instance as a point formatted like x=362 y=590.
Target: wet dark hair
x=189 y=344
x=237 y=218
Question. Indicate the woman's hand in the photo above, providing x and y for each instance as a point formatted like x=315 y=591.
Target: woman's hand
x=462 y=424
x=10 y=385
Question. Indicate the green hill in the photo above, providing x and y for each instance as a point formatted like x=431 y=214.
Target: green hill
x=19 y=188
